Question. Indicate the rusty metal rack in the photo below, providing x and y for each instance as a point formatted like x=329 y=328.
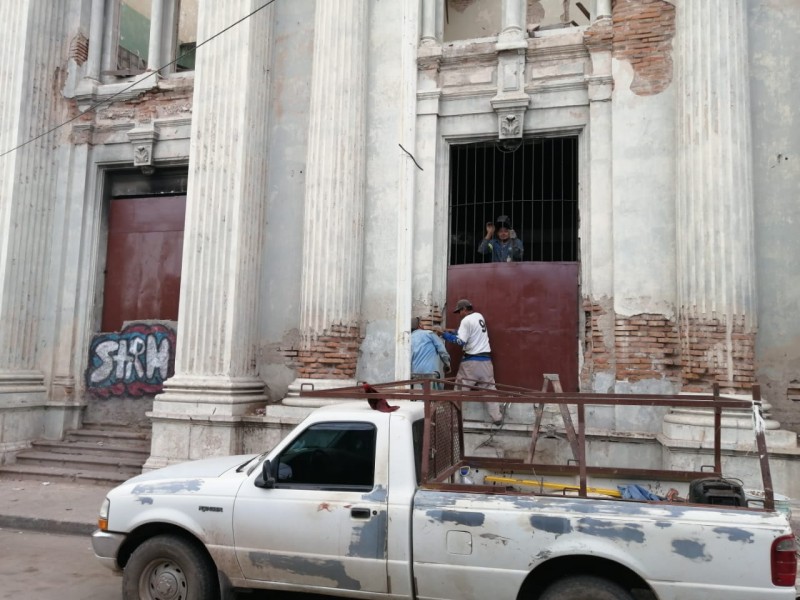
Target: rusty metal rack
x=443 y=442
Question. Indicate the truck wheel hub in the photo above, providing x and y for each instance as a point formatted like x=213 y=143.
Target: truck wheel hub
x=168 y=583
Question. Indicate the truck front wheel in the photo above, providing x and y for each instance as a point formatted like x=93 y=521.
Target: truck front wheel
x=167 y=567
x=585 y=587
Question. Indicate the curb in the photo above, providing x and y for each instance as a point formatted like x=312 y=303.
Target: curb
x=46 y=525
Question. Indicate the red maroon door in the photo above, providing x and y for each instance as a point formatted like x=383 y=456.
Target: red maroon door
x=143 y=266
x=531 y=311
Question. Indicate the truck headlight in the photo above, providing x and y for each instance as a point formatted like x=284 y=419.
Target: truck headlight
x=102 y=519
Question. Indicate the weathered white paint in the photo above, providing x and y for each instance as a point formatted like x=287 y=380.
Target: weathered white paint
x=155 y=56
x=215 y=363
x=628 y=186
x=32 y=46
x=644 y=236
x=333 y=227
x=597 y=208
x=96 y=39
x=408 y=170
x=715 y=235
x=774 y=29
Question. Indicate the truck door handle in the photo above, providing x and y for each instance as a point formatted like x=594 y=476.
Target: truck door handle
x=359 y=513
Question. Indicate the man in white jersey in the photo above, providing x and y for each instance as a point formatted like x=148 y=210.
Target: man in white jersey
x=476 y=365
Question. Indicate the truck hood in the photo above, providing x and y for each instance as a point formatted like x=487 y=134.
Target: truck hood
x=205 y=468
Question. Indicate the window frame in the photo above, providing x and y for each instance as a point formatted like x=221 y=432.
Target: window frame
x=167 y=22
x=345 y=426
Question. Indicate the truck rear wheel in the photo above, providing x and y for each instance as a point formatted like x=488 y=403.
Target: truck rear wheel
x=166 y=567
x=585 y=587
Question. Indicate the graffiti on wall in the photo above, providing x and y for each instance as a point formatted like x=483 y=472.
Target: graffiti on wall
x=133 y=362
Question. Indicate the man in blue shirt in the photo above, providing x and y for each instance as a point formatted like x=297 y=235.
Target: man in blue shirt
x=426 y=351
x=501 y=241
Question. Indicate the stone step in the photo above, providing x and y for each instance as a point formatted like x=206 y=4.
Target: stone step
x=117 y=437
x=47 y=473
x=80 y=462
x=139 y=452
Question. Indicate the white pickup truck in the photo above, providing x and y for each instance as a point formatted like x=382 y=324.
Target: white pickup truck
x=337 y=508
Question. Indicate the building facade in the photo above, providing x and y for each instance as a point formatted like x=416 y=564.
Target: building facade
x=206 y=207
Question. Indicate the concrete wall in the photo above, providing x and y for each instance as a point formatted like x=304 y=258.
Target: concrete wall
x=279 y=312
x=774 y=28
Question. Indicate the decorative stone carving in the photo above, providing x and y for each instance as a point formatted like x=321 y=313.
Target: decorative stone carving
x=510 y=125
x=142 y=156
x=143 y=140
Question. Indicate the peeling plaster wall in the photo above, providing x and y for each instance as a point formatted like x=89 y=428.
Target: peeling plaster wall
x=384 y=254
x=644 y=193
x=774 y=28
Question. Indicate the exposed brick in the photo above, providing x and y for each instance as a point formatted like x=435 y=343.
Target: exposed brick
x=642 y=35
x=79 y=49
x=708 y=348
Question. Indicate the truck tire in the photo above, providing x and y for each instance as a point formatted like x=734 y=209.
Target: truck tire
x=585 y=587
x=167 y=567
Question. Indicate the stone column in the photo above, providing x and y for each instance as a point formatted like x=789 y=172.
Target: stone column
x=96 y=25
x=330 y=305
x=429 y=25
x=513 y=21
x=715 y=223
x=32 y=47
x=215 y=380
x=603 y=9
x=155 y=59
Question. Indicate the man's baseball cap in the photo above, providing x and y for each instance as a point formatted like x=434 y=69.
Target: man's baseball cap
x=463 y=303
x=503 y=222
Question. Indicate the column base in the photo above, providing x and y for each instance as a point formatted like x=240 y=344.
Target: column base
x=23 y=398
x=200 y=416
x=179 y=438
x=63 y=411
x=208 y=395
x=694 y=428
x=294 y=407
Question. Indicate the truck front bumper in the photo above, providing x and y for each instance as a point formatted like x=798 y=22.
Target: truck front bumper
x=106 y=546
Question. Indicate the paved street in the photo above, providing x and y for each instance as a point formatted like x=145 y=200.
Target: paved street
x=47 y=566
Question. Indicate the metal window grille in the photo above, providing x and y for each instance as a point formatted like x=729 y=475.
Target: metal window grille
x=536 y=186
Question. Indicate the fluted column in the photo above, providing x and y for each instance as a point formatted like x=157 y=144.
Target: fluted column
x=31 y=46
x=715 y=228
x=330 y=309
x=215 y=378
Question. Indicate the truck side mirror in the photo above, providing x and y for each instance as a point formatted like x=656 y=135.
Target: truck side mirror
x=265 y=479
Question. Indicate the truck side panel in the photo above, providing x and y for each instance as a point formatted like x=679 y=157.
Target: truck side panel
x=476 y=546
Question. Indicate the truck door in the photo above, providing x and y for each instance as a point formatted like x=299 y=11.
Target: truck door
x=324 y=523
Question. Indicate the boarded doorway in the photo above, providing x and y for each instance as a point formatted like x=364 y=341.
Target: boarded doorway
x=531 y=311
x=128 y=364
x=145 y=246
x=531 y=306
